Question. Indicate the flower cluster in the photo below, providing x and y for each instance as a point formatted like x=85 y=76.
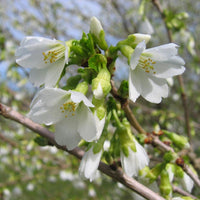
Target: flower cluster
x=81 y=111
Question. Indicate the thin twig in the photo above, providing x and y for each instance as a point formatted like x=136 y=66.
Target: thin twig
x=5 y=139
x=118 y=175
x=182 y=192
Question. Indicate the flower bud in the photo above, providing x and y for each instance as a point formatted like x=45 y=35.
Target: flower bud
x=98 y=33
x=134 y=39
x=127 y=51
x=179 y=140
x=101 y=84
x=165 y=185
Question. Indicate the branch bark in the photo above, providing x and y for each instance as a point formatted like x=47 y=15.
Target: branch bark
x=117 y=175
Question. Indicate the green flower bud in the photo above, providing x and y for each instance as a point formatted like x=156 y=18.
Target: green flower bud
x=101 y=112
x=155 y=172
x=179 y=140
x=82 y=87
x=134 y=39
x=127 y=51
x=179 y=171
x=101 y=84
x=126 y=140
x=165 y=185
x=170 y=157
x=98 y=33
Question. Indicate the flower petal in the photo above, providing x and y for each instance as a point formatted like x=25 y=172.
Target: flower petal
x=163 y=52
x=99 y=125
x=77 y=97
x=128 y=163
x=151 y=88
x=86 y=123
x=66 y=133
x=89 y=164
x=29 y=54
x=155 y=89
x=48 y=76
x=136 y=54
x=45 y=107
x=134 y=86
x=167 y=69
x=143 y=159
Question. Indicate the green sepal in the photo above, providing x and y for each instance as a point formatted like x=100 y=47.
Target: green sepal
x=101 y=112
x=97 y=62
x=165 y=185
x=111 y=104
x=41 y=141
x=170 y=156
x=127 y=51
x=82 y=87
x=179 y=171
x=179 y=140
x=155 y=172
x=102 y=42
x=123 y=89
x=87 y=74
x=97 y=147
x=72 y=82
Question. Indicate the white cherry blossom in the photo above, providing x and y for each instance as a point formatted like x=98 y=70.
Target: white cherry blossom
x=89 y=164
x=69 y=112
x=46 y=59
x=135 y=160
x=149 y=69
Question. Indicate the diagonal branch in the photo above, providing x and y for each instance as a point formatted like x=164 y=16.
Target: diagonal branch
x=117 y=175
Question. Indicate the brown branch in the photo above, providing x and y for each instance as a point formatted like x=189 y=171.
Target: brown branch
x=5 y=139
x=182 y=192
x=118 y=175
x=156 y=3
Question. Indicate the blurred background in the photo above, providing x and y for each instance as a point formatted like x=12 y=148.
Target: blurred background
x=30 y=171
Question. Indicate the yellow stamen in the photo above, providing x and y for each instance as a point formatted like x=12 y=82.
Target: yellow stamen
x=147 y=63
x=54 y=54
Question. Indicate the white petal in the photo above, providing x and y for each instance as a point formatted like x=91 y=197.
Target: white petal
x=151 y=88
x=66 y=54
x=98 y=93
x=89 y=164
x=155 y=89
x=99 y=126
x=48 y=76
x=29 y=54
x=162 y=52
x=77 y=97
x=135 y=160
x=129 y=163
x=167 y=69
x=86 y=123
x=134 y=86
x=136 y=54
x=143 y=159
x=187 y=183
x=66 y=133
x=45 y=107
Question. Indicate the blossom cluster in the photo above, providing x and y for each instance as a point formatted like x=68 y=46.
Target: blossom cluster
x=83 y=117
